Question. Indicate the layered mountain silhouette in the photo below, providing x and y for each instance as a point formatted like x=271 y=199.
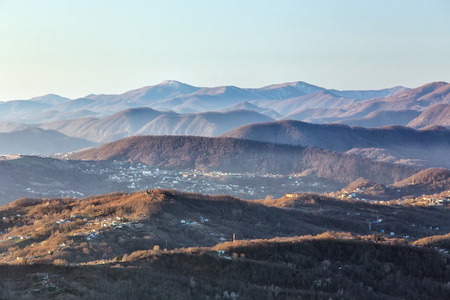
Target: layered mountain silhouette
x=38 y=141
x=383 y=118
x=20 y=109
x=392 y=143
x=249 y=106
x=201 y=124
x=244 y=156
x=175 y=108
x=293 y=100
x=438 y=114
x=184 y=98
x=149 y=121
x=417 y=99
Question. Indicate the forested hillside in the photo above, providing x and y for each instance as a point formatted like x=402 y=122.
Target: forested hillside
x=168 y=244
x=237 y=155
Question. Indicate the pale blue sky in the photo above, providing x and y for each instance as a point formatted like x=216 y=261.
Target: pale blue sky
x=74 y=48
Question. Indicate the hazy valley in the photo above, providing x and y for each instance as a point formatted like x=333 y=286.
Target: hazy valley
x=329 y=194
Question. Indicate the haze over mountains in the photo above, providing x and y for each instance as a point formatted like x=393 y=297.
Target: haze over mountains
x=175 y=157
x=396 y=144
x=178 y=246
x=38 y=141
x=436 y=114
x=287 y=99
x=148 y=121
x=175 y=108
x=243 y=156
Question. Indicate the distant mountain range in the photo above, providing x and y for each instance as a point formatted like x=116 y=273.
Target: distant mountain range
x=383 y=118
x=175 y=108
x=279 y=101
x=31 y=176
x=427 y=147
x=147 y=121
x=436 y=114
x=399 y=108
x=238 y=155
x=38 y=141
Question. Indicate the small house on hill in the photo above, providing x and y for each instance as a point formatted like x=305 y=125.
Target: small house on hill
x=292 y=195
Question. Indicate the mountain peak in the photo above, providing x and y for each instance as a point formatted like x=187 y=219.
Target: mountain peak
x=298 y=85
x=228 y=90
x=49 y=99
x=172 y=83
x=427 y=88
x=435 y=84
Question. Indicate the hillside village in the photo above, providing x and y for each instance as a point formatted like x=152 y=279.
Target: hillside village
x=424 y=200
x=225 y=150
x=29 y=233
x=129 y=177
x=30 y=237
x=243 y=185
x=115 y=230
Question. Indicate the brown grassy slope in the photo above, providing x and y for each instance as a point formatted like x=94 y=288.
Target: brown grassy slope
x=436 y=115
x=338 y=137
x=429 y=180
x=319 y=267
x=160 y=222
x=442 y=241
x=237 y=155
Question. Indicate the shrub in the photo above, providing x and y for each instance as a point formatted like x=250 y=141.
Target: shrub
x=60 y=262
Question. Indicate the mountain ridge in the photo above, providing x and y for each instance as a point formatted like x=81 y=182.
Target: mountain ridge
x=403 y=142
x=237 y=155
x=165 y=94
x=32 y=140
x=293 y=100
x=145 y=120
x=438 y=114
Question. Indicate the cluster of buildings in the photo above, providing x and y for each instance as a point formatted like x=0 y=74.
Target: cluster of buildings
x=430 y=200
x=92 y=227
x=424 y=200
x=131 y=177
x=53 y=193
x=20 y=237
x=193 y=223
x=9 y=156
x=350 y=194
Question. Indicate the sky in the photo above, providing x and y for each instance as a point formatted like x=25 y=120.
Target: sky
x=75 y=47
